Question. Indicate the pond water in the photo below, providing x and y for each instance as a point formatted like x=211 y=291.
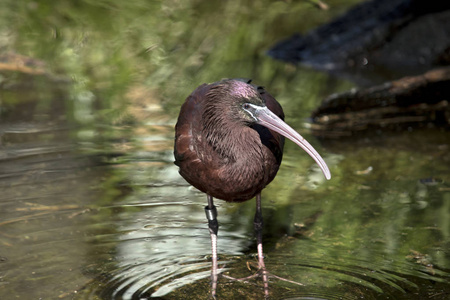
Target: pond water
x=92 y=206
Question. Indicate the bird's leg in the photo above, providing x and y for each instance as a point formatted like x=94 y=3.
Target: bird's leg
x=211 y=215
x=258 y=225
x=262 y=271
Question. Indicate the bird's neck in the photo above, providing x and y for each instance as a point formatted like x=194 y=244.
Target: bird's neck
x=231 y=140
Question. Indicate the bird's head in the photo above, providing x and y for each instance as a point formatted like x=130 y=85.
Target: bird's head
x=231 y=98
x=245 y=104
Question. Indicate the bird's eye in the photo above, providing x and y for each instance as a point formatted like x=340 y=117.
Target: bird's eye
x=246 y=106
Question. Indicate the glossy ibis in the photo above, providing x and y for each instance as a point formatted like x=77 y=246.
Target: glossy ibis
x=229 y=142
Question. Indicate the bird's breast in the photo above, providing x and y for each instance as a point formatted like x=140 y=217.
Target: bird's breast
x=237 y=174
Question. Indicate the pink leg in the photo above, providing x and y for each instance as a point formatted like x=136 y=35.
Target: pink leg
x=258 y=224
x=211 y=215
x=214 y=264
x=262 y=271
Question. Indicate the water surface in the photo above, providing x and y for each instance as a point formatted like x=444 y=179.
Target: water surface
x=92 y=206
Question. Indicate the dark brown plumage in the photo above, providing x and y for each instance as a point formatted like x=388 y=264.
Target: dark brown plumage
x=229 y=142
x=221 y=153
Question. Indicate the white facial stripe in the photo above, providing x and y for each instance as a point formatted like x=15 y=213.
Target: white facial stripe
x=256 y=109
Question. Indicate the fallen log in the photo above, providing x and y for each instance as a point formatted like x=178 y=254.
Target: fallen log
x=410 y=101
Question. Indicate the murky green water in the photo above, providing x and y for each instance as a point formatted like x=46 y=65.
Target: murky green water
x=92 y=207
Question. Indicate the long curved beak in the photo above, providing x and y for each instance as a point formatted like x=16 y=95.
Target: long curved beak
x=267 y=118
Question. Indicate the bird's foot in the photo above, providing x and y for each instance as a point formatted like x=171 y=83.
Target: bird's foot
x=260 y=272
x=249 y=267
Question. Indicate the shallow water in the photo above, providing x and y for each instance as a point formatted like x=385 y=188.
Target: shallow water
x=92 y=206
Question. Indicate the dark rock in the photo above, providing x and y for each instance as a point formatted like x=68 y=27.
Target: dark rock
x=376 y=41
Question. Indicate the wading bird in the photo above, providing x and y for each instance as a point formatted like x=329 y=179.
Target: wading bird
x=229 y=142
